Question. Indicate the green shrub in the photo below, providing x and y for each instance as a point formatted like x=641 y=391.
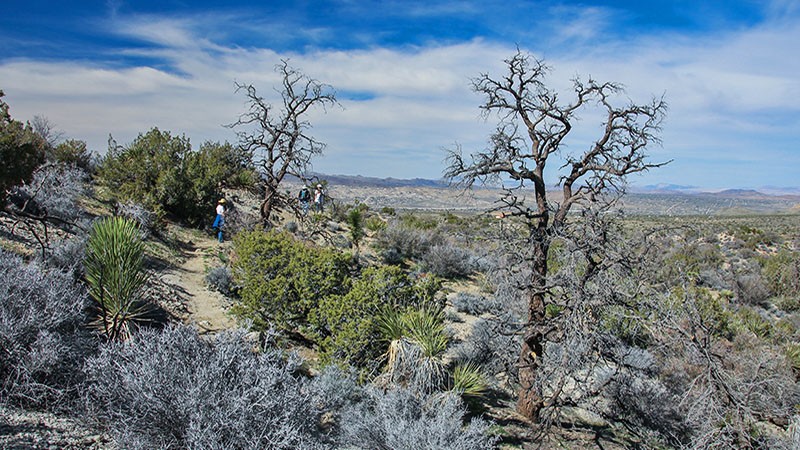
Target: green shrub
x=375 y=223
x=21 y=151
x=161 y=172
x=348 y=326
x=215 y=165
x=418 y=222
x=150 y=170
x=355 y=219
x=781 y=272
x=73 y=152
x=282 y=280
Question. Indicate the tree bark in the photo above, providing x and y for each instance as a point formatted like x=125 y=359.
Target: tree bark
x=268 y=205
x=530 y=402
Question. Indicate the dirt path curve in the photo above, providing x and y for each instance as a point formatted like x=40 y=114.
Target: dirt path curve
x=207 y=309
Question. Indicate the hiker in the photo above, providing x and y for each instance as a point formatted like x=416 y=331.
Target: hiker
x=319 y=198
x=219 y=221
x=305 y=199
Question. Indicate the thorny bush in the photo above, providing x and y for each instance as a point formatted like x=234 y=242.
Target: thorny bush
x=43 y=334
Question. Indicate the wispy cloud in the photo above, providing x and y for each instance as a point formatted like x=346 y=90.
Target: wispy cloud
x=729 y=92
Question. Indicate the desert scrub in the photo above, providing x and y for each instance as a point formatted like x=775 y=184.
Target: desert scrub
x=282 y=280
x=474 y=304
x=347 y=326
x=399 y=241
x=221 y=280
x=43 y=335
x=173 y=389
x=419 y=222
x=781 y=272
x=492 y=345
x=148 y=221
x=448 y=260
x=399 y=419
x=375 y=224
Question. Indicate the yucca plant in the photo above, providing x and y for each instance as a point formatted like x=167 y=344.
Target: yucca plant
x=115 y=274
x=468 y=380
x=417 y=339
x=391 y=324
x=392 y=327
x=425 y=328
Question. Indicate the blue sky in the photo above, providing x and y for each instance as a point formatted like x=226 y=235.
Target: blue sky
x=729 y=71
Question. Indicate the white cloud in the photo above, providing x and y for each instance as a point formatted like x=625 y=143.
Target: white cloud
x=417 y=99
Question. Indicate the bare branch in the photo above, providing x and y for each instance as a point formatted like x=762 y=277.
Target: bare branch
x=279 y=137
x=532 y=126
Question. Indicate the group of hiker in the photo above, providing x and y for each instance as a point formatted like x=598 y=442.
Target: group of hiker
x=304 y=198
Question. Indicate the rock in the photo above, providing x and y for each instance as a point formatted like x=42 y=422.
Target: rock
x=582 y=417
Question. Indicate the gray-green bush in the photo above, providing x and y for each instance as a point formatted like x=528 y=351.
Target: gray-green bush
x=43 y=335
x=448 y=260
x=474 y=304
x=398 y=419
x=173 y=389
x=221 y=279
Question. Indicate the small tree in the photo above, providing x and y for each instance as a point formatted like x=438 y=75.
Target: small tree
x=161 y=172
x=73 y=152
x=151 y=170
x=533 y=124
x=355 y=219
x=282 y=280
x=21 y=151
x=278 y=137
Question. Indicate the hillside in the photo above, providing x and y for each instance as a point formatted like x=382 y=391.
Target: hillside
x=476 y=306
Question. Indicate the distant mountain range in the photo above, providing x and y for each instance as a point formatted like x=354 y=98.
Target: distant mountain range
x=664 y=188
x=358 y=180
x=662 y=199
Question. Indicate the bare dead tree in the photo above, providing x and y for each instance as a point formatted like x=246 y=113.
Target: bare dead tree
x=45 y=128
x=278 y=135
x=50 y=198
x=533 y=124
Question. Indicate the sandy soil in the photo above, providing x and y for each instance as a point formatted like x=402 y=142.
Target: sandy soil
x=202 y=307
x=207 y=309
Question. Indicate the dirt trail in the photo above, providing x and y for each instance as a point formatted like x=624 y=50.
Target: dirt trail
x=207 y=309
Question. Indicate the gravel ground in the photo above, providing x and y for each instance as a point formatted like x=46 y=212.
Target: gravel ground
x=21 y=429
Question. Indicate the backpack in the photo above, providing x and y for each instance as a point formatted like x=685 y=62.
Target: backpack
x=305 y=195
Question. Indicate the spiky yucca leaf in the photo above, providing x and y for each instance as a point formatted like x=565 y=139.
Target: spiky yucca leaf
x=425 y=327
x=468 y=380
x=391 y=324
x=115 y=274
x=392 y=327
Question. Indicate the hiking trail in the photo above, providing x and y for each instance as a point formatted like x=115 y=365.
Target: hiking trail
x=206 y=308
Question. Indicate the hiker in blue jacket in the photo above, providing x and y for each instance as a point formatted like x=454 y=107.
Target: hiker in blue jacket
x=219 y=221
